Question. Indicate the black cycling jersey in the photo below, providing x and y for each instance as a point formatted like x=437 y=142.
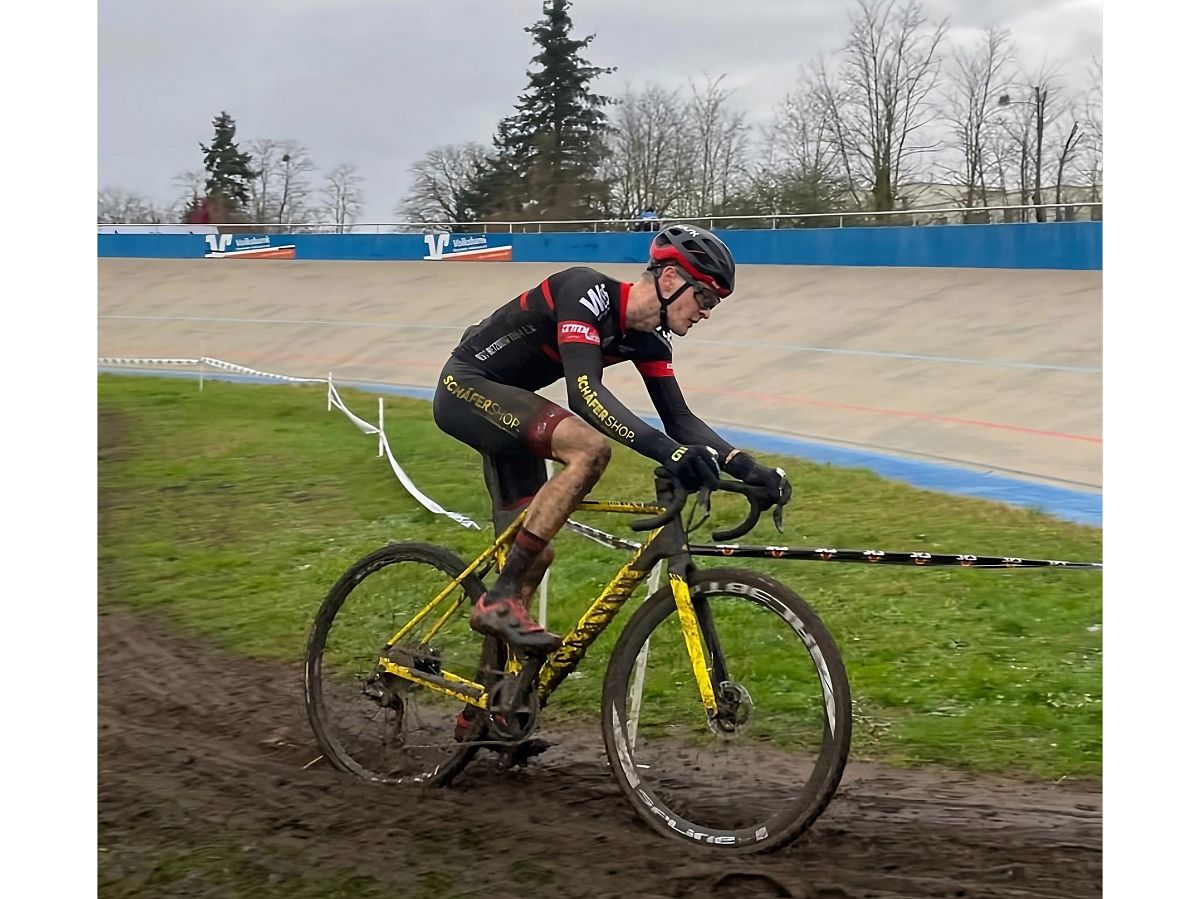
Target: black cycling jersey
x=572 y=326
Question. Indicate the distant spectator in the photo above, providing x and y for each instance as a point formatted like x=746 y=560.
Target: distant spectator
x=648 y=218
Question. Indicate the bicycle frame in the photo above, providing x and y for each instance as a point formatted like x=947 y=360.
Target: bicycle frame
x=665 y=542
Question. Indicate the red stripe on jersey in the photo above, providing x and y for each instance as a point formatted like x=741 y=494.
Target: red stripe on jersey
x=578 y=332
x=551 y=352
x=657 y=369
x=621 y=306
x=525 y=301
x=546 y=294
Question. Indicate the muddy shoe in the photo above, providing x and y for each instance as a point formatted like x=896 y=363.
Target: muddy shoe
x=466 y=719
x=508 y=619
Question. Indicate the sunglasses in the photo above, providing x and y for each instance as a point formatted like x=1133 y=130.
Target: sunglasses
x=706 y=299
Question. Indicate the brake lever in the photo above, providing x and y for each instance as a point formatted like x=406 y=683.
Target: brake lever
x=778 y=517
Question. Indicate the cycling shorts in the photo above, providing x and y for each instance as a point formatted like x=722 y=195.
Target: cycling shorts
x=509 y=426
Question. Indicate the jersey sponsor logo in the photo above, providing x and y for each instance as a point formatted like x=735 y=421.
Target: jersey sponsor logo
x=656 y=369
x=598 y=409
x=578 y=332
x=596 y=300
x=491 y=350
x=495 y=413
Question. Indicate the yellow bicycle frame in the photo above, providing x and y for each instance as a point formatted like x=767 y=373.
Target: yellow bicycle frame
x=575 y=644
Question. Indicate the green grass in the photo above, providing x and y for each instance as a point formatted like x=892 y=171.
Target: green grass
x=231 y=510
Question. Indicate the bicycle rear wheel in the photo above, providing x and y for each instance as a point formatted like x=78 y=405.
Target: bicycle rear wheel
x=371 y=723
x=759 y=774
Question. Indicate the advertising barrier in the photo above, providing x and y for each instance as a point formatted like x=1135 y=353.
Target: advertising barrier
x=1044 y=245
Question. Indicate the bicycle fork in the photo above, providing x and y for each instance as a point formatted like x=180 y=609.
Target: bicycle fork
x=699 y=631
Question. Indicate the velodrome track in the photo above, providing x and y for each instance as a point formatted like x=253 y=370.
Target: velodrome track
x=993 y=372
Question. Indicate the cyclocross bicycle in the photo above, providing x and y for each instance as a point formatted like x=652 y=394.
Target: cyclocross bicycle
x=733 y=729
x=725 y=708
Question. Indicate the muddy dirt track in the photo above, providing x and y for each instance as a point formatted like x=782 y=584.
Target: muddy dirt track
x=202 y=758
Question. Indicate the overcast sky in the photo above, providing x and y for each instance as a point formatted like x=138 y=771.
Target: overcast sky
x=377 y=83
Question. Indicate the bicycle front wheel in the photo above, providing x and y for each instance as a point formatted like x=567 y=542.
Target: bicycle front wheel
x=370 y=722
x=756 y=775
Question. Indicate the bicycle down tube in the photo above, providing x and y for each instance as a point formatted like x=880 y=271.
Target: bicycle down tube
x=575 y=643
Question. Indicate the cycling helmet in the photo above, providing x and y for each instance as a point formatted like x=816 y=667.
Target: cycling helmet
x=698 y=252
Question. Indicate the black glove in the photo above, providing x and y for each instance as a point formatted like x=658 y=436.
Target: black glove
x=743 y=467
x=694 y=466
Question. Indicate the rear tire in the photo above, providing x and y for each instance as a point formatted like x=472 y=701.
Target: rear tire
x=764 y=772
x=384 y=728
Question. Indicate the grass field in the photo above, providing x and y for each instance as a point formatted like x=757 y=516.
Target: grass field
x=230 y=511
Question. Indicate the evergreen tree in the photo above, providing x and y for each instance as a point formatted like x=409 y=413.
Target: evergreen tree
x=229 y=172
x=548 y=151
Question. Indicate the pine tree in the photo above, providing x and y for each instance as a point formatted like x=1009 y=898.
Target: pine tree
x=548 y=151
x=229 y=172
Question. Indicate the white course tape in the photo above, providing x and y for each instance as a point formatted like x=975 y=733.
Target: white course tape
x=230 y=366
x=421 y=497
x=334 y=400
x=113 y=360
x=365 y=426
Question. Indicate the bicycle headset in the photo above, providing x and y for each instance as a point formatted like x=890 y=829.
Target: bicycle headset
x=698 y=252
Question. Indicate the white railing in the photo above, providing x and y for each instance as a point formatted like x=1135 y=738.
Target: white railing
x=949 y=215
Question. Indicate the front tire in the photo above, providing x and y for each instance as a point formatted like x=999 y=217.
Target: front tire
x=756 y=777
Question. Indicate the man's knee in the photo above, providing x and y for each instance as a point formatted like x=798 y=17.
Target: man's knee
x=584 y=448
x=593 y=457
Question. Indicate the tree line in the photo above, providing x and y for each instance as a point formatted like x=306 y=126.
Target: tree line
x=869 y=129
x=271 y=182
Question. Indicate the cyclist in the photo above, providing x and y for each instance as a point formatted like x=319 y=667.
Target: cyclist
x=572 y=325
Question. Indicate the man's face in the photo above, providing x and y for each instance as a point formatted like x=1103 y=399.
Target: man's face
x=693 y=305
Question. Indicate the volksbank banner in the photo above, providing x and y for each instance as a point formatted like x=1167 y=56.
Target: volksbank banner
x=446 y=247
x=247 y=246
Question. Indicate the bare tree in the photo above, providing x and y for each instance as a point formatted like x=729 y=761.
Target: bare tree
x=797 y=168
x=1038 y=104
x=647 y=163
x=682 y=158
x=976 y=79
x=341 y=198
x=1089 y=167
x=280 y=192
x=115 y=206
x=878 y=99
x=444 y=184
x=1068 y=150
x=717 y=136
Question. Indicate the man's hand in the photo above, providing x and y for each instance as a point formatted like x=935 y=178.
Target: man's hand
x=743 y=467
x=694 y=466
